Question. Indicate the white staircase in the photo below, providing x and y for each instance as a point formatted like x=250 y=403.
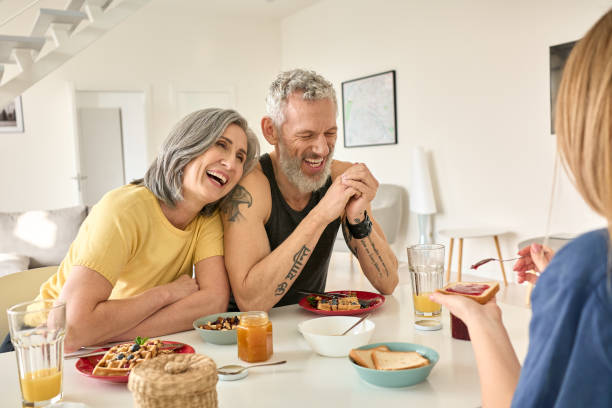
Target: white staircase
x=56 y=36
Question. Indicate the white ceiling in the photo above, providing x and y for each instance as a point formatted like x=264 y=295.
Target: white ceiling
x=268 y=9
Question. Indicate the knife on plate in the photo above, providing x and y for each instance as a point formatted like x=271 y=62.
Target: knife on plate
x=168 y=346
x=327 y=295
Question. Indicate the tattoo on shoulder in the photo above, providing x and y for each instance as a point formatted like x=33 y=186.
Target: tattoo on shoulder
x=238 y=196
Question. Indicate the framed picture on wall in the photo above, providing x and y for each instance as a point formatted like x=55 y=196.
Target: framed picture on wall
x=11 y=117
x=369 y=110
x=558 y=57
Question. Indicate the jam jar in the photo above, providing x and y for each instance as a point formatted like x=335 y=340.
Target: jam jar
x=254 y=337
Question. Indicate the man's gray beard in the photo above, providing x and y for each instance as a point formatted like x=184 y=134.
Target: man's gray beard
x=292 y=168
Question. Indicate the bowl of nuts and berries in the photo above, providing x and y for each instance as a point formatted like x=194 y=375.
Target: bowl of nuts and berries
x=218 y=328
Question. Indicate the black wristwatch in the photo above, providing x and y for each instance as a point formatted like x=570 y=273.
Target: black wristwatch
x=361 y=230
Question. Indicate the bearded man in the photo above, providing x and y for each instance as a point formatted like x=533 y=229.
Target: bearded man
x=281 y=222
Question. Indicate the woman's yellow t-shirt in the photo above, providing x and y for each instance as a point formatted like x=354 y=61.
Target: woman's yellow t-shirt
x=128 y=240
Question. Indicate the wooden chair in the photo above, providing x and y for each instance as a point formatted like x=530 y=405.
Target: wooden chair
x=462 y=234
x=20 y=287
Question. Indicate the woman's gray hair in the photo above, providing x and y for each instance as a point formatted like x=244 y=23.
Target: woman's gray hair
x=312 y=85
x=190 y=137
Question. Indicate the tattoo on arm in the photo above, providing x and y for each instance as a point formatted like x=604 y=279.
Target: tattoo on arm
x=238 y=196
x=378 y=255
x=347 y=237
x=298 y=263
x=371 y=256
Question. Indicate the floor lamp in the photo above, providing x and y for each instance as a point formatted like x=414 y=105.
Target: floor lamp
x=422 y=200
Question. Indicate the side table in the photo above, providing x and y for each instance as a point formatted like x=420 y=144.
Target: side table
x=471 y=233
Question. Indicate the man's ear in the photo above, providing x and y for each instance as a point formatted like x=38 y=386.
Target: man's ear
x=268 y=129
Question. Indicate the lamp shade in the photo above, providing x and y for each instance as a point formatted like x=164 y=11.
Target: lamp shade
x=421 y=192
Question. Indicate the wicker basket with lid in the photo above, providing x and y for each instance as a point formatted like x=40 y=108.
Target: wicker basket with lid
x=175 y=380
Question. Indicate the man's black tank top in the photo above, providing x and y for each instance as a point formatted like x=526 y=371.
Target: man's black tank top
x=283 y=220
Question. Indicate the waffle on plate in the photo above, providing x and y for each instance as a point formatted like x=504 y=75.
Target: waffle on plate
x=334 y=304
x=120 y=359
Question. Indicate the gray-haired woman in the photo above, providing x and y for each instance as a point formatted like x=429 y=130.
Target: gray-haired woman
x=129 y=271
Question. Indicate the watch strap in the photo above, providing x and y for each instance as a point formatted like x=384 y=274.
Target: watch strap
x=361 y=230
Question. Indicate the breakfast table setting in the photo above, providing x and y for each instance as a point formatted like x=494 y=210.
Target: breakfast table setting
x=308 y=378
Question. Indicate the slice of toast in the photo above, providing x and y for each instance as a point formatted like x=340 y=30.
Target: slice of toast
x=481 y=292
x=364 y=357
x=398 y=360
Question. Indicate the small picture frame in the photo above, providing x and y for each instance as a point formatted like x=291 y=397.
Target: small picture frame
x=11 y=117
x=369 y=110
x=558 y=57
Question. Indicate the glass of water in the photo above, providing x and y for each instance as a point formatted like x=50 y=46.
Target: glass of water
x=426 y=266
x=37 y=333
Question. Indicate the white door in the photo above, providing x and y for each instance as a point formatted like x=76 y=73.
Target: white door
x=100 y=153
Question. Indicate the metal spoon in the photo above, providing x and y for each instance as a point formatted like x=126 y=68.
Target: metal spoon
x=233 y=369
x=356 y=323
x=487 y=260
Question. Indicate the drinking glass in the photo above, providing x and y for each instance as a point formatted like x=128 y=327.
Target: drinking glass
x=426 y=266
x=37 y=333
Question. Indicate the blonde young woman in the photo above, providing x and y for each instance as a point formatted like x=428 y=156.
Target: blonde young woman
x=129 y=271
x=569 y=361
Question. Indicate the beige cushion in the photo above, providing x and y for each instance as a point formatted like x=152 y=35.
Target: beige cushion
x=11 y=263
x=43 y=236
x=20 y=287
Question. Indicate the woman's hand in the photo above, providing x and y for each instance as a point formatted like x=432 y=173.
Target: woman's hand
x=534 y=257
x=468 y=309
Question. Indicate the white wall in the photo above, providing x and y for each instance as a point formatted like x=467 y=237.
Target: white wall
x=162 y=49
x=472 y=89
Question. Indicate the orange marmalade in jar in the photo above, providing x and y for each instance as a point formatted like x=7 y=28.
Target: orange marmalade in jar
x=254 y=337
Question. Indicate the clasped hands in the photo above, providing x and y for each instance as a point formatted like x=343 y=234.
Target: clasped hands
x=350 y=193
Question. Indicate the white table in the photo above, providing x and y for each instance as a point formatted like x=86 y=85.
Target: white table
x=308 y=378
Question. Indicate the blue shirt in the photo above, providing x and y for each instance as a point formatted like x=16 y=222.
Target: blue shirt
x=569 y=360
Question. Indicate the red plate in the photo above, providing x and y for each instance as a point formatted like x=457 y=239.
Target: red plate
x=85 y=365
x=378 y=300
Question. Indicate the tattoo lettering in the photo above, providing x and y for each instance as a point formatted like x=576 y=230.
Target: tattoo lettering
x=298 y=259
x=378 y=255
x=280 y=289
x=238 y=196
x=297 y=262
x=347 y=237
x=370 y=255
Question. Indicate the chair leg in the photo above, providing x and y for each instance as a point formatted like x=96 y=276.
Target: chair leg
x=501 y=264
x=450 y=260
x=460 y=259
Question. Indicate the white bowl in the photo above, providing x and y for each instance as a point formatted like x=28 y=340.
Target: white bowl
x=323 y=334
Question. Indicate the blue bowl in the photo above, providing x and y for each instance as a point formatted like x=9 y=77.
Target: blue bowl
x=398 y=378
x=216 y=336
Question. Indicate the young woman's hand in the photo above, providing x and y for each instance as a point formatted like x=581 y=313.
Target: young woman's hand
x=534 y=257
x=468 y=309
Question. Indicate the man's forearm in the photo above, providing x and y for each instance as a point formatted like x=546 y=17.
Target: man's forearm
x=178 y=316
x=270 y=278
x=376 y=259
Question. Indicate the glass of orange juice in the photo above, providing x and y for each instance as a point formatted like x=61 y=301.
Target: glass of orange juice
x=426 y=266
x=37 y=333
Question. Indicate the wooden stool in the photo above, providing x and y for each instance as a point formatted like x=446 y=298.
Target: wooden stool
x=471 y=233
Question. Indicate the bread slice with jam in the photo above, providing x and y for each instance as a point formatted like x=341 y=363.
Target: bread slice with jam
x=481 y=292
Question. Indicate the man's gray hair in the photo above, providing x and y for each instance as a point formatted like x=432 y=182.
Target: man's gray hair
x=190 y=137
x=312 y=86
